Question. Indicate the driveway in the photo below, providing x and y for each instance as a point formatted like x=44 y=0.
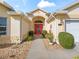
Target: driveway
x=39 y=51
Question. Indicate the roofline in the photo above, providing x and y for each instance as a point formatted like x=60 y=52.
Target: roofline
x=15 y=13
x=64 y=10
x=71 y=5
x=6 y=5
x=38 y=9
x=12 y=13
x=52 y=15
x=61 y=12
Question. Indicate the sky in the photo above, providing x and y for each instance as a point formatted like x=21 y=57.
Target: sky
x=47 y=5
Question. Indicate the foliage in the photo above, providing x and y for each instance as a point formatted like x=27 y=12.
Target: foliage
x=31 y=33
x=76 y=57
x=29 y=36
x=50 y=36
x=44 y=33
x=66 y=40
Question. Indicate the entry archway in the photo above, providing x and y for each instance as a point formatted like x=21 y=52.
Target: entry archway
x=38 y=24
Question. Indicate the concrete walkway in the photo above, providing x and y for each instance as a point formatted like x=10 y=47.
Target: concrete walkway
x=38 y=50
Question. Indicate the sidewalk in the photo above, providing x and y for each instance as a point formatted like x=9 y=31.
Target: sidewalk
x=38 y=50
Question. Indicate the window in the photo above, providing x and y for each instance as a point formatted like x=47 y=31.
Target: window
x=3 y=24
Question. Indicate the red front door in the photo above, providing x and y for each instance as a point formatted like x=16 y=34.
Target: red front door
x=38 y=28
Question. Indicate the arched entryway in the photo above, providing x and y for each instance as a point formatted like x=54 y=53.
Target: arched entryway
x=38 y=25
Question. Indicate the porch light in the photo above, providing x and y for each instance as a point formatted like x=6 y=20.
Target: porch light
x=61 y=22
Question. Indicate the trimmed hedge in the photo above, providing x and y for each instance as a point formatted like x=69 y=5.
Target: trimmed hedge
x=66 y=40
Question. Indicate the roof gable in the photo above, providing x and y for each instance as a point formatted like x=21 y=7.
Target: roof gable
x=37 y=10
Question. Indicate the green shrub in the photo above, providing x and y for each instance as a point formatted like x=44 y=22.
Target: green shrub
x=50 y=36
x=76 y=57
x=31 y=33
x=30 y=36
x=44 y=32
x=66 y=40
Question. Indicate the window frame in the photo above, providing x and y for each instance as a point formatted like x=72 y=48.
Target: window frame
x=4 y=26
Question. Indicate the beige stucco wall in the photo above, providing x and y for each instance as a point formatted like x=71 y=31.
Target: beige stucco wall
x=3 y=13
x=15 y=29
x=41 y=14
x=19 y=27
x=55 y=29
x=25 y=27
x=74 y=13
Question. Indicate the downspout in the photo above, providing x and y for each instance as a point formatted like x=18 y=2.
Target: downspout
x=21 y=29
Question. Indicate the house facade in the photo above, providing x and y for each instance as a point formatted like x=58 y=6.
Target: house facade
x=66 y=20
x=15 y=25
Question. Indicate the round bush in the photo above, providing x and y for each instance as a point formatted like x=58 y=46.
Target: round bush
x=66 y=40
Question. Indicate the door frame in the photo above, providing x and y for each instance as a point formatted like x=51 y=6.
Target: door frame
x=34 y=26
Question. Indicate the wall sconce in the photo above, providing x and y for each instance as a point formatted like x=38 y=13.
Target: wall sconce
x=61 y=22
